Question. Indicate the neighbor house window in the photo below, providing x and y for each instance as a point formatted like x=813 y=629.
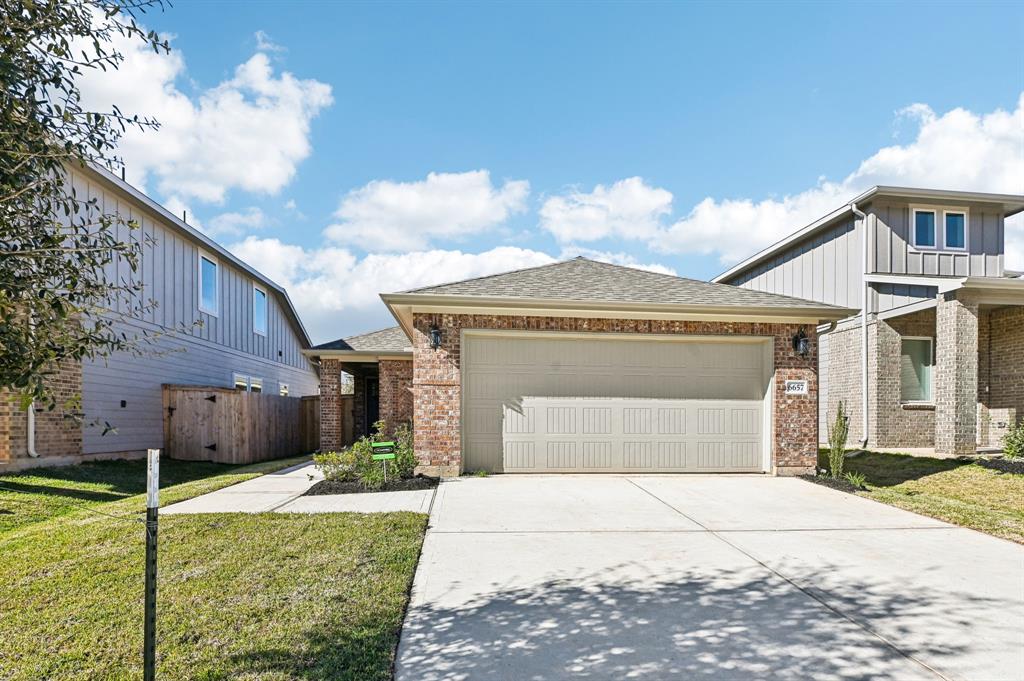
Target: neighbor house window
x=284 y=390
x=916 y=370
x=924 y=228
x=956 y=230
x=259 y=310
x=207 y=283
x=250 y=384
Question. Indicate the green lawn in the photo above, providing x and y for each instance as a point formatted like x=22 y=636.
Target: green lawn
x=961 y=492
x=264 y=596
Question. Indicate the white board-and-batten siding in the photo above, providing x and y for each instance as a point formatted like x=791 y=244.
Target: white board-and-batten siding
x=208 y=353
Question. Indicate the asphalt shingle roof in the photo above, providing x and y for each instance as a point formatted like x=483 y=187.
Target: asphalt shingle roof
x=386 y=340
x=582 y=279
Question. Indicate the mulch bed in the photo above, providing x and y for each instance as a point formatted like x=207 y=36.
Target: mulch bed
x=1003 y=465
x=402 y=485
x=841 y=485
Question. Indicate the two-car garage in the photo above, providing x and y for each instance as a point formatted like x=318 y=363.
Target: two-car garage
x=570 y=402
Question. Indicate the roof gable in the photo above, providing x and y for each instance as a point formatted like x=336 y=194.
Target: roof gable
x=585 y=280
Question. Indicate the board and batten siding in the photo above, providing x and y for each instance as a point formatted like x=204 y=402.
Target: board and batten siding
x=893 y=252
x=190 y=346
x=825 y=267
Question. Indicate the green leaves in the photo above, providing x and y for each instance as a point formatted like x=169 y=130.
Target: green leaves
x=56 y=300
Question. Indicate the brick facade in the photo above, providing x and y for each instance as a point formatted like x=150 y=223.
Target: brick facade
x=956 y=374
x=1000 y=373
x=437 y=380
x=58 y=432
x=331 y=420
x=395 y=377
x=895 y=424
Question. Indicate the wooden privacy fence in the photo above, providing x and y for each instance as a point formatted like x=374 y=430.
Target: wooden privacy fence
x=228 y=426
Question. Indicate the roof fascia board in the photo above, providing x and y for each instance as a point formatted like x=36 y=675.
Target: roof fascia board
x=1012 y=203
x=799 y=235
x=910 y=279
x=119 y=185
x=402 y=305
x=364 y=355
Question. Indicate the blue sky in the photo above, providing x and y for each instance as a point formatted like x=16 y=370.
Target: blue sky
x=675 y=136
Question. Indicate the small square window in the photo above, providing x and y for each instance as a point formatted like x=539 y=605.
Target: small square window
x=241 y=383
x=916 y=370
x=284 y=390
x=255 y=385
x=956 y=230
x=924 y=228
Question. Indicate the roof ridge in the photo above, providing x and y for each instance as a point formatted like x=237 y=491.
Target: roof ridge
x=496 y=274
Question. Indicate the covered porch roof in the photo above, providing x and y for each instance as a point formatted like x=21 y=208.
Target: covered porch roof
x=389 y=343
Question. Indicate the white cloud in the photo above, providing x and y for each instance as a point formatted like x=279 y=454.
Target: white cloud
x=619 y=258
x=265 y=44
x=957 y=150
x=337 y=292
x=405 y=216
x=249 y=132
x=235 y=224
x=630 y=209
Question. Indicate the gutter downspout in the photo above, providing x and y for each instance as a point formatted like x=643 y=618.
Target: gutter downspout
x=864 y=324
x=31 y=435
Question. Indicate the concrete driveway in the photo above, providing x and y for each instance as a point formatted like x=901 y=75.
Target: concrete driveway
x=717 y=577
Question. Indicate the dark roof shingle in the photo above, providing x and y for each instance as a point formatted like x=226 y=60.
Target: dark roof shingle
x=582 y=279
x=392 y=339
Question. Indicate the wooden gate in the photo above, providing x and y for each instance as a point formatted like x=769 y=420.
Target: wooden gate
x=229 y=426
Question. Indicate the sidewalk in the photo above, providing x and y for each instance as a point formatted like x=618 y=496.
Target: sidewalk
x=281 y=492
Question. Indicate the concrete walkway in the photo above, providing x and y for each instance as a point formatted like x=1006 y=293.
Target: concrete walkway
x=710 y=577
x=281 y=492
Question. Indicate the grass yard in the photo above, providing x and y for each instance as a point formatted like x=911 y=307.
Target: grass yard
x=960 y=492
x=262 y=596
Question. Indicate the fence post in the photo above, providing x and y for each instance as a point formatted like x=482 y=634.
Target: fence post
x=152 y=504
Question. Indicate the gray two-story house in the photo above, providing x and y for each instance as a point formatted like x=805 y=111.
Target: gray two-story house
x=935 y=358
x=216 y=322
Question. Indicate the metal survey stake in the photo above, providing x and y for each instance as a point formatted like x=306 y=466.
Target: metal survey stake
x=152 y=504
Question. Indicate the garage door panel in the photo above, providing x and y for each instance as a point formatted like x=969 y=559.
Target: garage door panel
x=582 y=405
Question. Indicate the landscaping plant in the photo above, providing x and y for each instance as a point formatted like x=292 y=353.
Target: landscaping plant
x=856 y=479
x=1013 y=443
x=356 y=462
x=837 y=442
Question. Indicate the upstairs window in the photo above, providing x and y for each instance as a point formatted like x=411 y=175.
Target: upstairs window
x=207 y=283
x=924 y=228
x=956 y=230
x=259 y=310
x=916 y=370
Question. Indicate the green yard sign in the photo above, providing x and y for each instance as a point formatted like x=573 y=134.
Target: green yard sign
x=387 y=456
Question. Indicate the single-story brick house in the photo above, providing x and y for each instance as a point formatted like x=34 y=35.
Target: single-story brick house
x=582 y=366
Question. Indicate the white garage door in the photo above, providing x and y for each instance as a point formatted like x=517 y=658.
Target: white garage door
x=550 y=402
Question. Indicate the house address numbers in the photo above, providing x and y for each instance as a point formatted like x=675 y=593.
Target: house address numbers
x=796 y=387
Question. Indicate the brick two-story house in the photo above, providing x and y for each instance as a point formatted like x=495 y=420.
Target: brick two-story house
x=934 y=356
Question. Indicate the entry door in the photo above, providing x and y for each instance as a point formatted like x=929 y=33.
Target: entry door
x=723 y=381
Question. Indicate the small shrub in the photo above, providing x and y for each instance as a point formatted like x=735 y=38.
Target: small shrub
x=1013 y=443
x=856 y=479
x=837 y=442
x=357 y=462
x=337 y=466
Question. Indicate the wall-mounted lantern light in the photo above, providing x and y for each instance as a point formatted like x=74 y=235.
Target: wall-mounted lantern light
x=435 y=337
x=801 y=344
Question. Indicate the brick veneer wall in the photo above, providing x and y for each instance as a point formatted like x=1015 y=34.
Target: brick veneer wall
x=58 y=432
x=844 y=379
x=898 y=424
x=956 y=374
x=395 y=378
x=437 y=380
x=331 y=423
x=1000 y=373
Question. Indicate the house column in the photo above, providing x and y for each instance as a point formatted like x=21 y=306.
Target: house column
x=330 y=405
x=956 y=374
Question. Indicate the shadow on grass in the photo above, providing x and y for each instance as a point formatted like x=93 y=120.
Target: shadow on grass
x=739 y=624
x=889 y=470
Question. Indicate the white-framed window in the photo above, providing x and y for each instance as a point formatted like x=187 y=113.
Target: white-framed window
x=954 y=230
x=209 y=284
x=922 y=228
x=259 y=310
x=250 y=384
x=917 y=363
x=283 y=391
x=940 y=228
